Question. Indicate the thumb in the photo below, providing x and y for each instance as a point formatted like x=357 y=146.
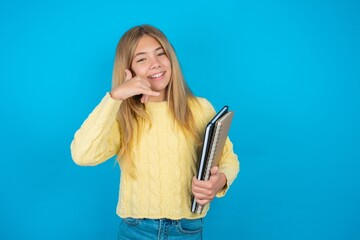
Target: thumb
x=128 y=75
x=214 y=170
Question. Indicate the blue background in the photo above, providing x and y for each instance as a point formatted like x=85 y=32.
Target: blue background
x=289 y=69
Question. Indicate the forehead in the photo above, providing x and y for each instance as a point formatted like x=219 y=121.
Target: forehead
x=147 y=44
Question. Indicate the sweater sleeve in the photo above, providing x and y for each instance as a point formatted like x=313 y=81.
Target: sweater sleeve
x=98 y=138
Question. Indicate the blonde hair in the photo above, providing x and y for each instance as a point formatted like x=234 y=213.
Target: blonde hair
x=132 y=113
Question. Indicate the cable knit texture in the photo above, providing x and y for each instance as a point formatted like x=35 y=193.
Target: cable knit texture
x=165 y=159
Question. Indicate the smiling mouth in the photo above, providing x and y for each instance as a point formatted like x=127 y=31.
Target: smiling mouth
x=157 y=75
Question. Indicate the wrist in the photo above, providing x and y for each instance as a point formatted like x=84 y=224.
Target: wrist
x=113 y=96
x=223 y=181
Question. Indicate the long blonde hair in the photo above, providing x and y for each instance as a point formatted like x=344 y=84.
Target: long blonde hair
x=132 y=112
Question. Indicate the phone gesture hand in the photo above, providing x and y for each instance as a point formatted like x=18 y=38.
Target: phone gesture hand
x=133 y=86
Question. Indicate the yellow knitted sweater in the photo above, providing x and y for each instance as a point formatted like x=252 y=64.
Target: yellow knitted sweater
x=164 y=159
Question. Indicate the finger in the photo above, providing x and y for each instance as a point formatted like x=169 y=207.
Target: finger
x=199 y=201
x=128 y=75
x=201 y=183
x=201 y=198
x=203 y=191
x=144 y=98
x=198 y=184
x=202 y=202
x=214 y=170
x=200 y=193
x=150 y=93
x=145 y=84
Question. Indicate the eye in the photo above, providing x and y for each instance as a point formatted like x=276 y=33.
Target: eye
x=161 y=54
x=141 y=60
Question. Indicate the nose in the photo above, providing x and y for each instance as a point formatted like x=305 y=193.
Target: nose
x=154 y=63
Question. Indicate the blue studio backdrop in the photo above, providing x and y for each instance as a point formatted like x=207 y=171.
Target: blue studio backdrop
x=289 y=69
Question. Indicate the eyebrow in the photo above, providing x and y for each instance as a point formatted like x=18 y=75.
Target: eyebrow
x=139 y=53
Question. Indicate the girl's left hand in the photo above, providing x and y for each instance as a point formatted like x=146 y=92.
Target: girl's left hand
x=205 y=191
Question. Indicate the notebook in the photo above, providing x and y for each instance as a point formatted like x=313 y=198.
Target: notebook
x=216 y=133
x=209 y=130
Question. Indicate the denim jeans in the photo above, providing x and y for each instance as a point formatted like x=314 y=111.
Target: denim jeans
x=160 y=229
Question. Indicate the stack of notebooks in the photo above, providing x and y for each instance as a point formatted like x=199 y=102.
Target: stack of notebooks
x=216 y=133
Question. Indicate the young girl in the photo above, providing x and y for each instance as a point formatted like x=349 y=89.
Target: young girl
x=154 y=125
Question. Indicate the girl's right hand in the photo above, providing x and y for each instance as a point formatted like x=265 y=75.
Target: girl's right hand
x=133 y=86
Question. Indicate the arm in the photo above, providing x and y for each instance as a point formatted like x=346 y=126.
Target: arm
x=221 y=177
x=98 y=138
x=229 y=165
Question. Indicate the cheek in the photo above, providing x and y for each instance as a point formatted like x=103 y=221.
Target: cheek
x=139 y=70
x=167 y=63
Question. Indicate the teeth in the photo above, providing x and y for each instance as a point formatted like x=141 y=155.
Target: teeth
x=156 y=75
